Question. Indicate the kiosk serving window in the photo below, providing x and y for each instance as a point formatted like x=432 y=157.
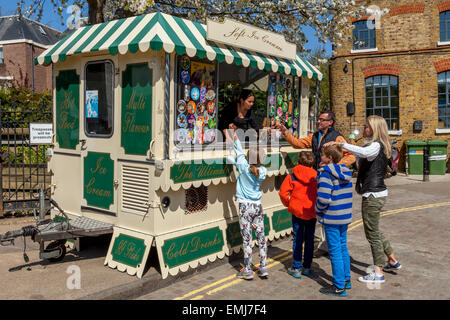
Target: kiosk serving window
x=99 y=98
x=207 y=93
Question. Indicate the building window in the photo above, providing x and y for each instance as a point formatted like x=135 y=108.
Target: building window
x=444 y=99
x=99 y=98
x=1 y=55
x=444 y=25
x=382 y=99
x=364 y=35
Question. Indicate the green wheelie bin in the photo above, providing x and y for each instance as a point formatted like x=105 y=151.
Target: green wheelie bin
x=437 y=156
x=415 y=156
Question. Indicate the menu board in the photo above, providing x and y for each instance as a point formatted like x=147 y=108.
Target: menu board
x=283 y=97
x=196 y=106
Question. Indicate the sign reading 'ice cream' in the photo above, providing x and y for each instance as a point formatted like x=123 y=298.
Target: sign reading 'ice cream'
x=245 y=36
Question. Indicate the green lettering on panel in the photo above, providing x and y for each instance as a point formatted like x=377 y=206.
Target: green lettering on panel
x=128 y=250
x=291 y=160
x=193 y=246
x=67 y=103
x=213 y=168
x=99 y=179
x=281 y=220
x=273 y=161
x=136 y=124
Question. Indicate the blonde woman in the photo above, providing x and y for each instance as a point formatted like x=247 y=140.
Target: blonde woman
x=372 y=165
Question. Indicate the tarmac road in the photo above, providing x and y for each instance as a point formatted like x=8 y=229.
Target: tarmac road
x=416 y=221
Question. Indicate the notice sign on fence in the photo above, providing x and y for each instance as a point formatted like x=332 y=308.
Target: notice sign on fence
x=41 y=133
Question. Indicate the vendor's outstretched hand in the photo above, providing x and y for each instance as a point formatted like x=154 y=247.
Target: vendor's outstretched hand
x=281 y=127
x=230 y=135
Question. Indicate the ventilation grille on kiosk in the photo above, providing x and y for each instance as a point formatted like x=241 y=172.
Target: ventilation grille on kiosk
x=135 y=189
x=196 y=199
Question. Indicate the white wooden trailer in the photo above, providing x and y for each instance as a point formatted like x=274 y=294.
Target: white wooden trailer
x=136 y=105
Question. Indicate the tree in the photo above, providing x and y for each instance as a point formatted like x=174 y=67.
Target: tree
x=320 y=61
x=287 y=17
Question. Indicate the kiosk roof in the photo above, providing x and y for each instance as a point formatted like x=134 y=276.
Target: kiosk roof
x=158 y=31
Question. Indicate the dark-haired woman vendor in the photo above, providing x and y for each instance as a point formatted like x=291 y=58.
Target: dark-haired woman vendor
x=240 y=114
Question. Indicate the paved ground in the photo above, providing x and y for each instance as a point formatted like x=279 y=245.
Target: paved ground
x=416 y=221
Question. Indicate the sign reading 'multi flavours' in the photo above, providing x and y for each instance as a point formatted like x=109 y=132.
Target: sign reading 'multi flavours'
x=128 y=250
x=180 y=250
x=210 y=169
x=99 y=179
x=136 y=108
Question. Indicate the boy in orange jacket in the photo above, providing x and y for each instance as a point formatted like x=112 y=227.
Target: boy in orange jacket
x=299 y=193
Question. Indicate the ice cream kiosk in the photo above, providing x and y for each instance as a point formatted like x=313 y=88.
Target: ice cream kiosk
x=136 y=145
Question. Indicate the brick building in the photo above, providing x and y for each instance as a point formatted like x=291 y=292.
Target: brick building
x=21 y=40
x=396 y=66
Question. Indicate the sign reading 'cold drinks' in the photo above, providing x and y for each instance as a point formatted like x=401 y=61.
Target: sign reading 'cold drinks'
x=242 y=35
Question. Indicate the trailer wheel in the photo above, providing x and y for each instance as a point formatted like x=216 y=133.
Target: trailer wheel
x=59 y=245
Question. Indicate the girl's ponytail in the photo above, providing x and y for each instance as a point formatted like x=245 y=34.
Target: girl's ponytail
x=254 y=170
x=256 y=156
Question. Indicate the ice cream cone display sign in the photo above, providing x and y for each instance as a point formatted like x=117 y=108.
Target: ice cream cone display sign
x=197 y=85
x=191 y=107
x=181 y=120
x=185 y=77
x=283 y=108
x=185 y=63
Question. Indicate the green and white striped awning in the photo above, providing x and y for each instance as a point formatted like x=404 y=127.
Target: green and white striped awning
x=161 y=31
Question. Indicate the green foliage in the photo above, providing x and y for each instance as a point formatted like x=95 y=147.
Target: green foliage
x=19 y=107
x=26 y=154
x=324 y=85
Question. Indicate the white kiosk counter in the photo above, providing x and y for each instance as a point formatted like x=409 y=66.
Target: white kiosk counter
x=137 y=105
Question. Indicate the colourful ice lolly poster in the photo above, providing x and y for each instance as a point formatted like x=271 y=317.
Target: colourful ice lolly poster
x=91 y=103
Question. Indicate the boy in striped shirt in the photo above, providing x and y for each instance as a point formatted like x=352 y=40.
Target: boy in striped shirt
x=334 y=211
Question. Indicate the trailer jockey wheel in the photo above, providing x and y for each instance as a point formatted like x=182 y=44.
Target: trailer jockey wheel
x=57 y=245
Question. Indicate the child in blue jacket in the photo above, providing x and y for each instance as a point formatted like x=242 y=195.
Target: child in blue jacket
x=248 y=194
x=334 y=211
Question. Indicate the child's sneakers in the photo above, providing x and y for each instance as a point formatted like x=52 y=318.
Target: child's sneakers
x=245 y=274
x=372 y=277
x=306 y=272
x=334 y=291
x=296 y=273
x=263 y=272
x=392 y=266
x=348 y=284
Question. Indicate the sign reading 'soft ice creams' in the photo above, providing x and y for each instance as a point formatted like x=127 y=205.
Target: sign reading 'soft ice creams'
x=238 y=34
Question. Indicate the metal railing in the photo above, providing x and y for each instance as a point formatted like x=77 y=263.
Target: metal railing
x=23 y=166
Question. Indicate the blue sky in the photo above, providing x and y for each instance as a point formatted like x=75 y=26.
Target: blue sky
x=53 y=20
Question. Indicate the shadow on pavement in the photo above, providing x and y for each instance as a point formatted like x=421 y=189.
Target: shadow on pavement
x=90 y=248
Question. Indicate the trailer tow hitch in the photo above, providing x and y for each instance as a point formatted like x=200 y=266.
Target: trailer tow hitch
x=55 y=251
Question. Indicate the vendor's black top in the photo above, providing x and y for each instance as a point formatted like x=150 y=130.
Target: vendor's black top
x=371 y=173
x=330 y=136
x=230 y=115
